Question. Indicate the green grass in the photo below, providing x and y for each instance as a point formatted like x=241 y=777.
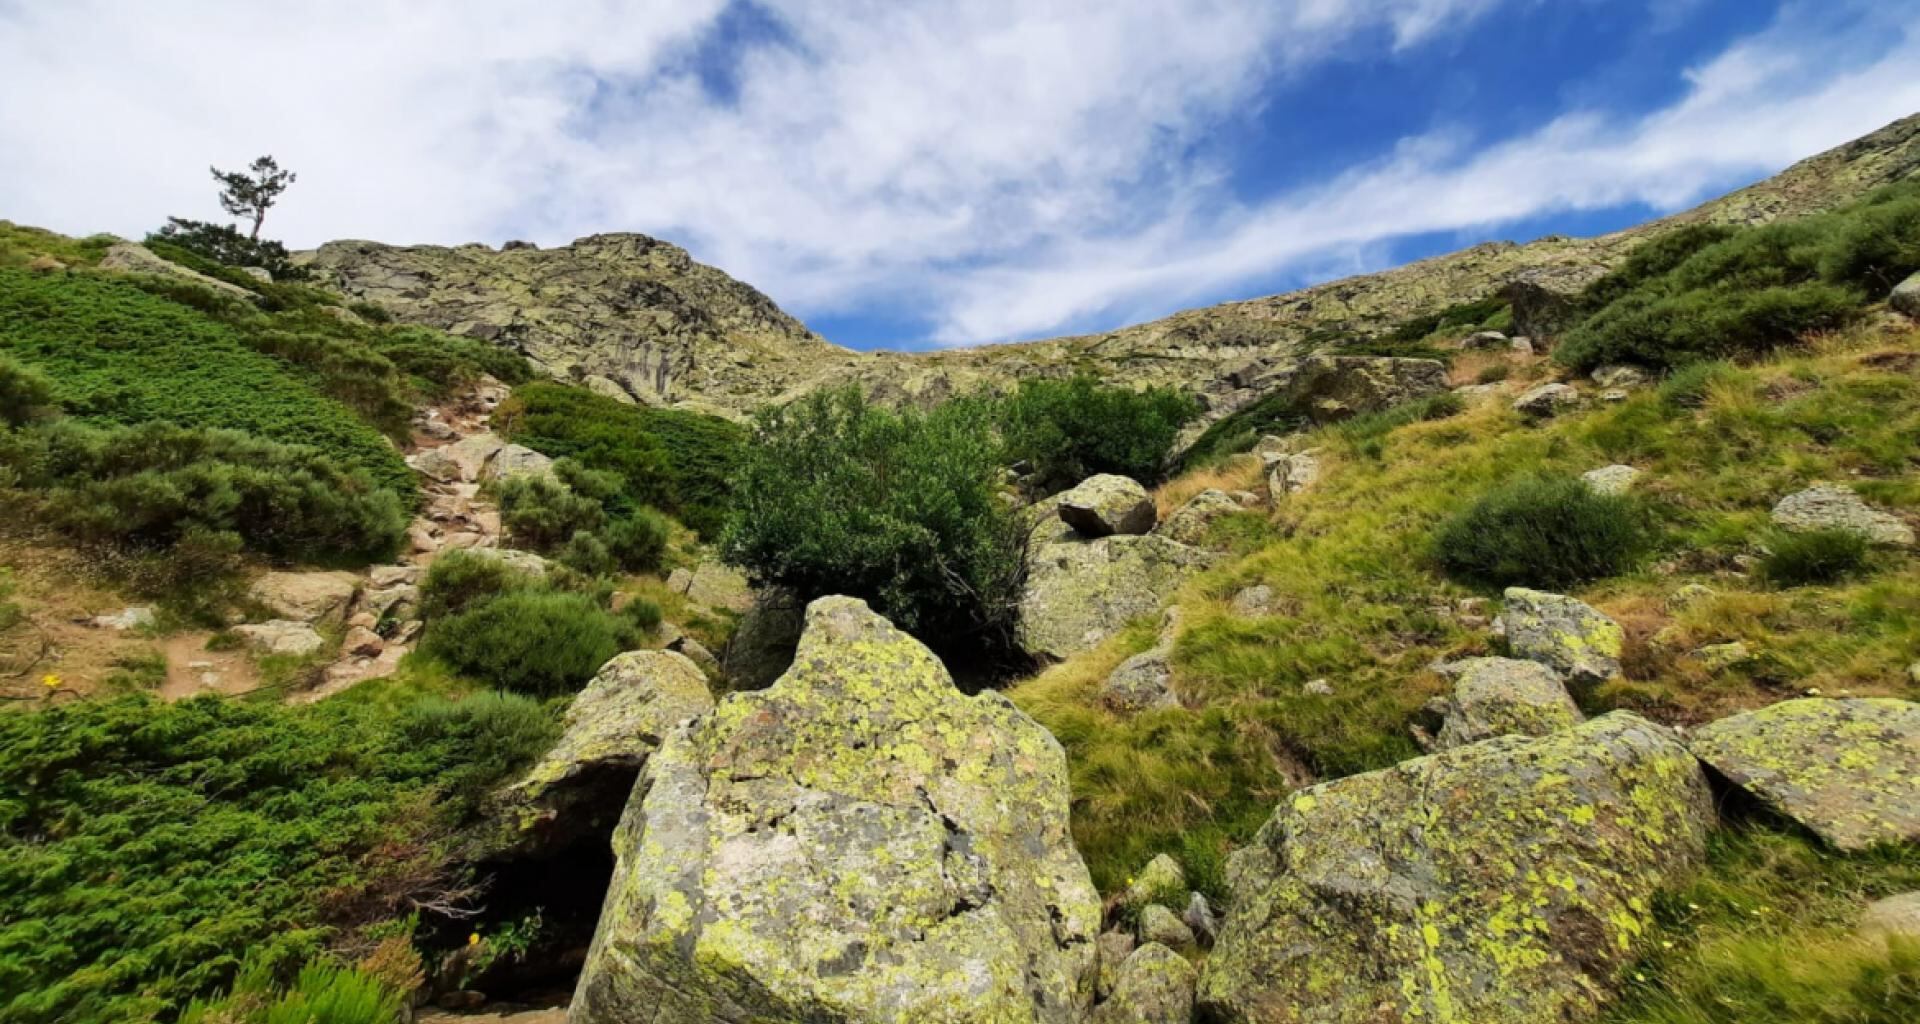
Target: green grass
x=1764 y=936
x=1361 y=601
x=19 y=245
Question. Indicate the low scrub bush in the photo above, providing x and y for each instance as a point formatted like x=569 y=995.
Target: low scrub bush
x=148 y=848
x=1490 y=313
x=568 y=516
x=459 y=579
x=1706 y=292
x=1274 y=414
x=1689 y=386
x=25 y=395
x=322 y=994
x=542 y=514
x=1072 y=429
x=1818 y=556
x=678 y=461
x=495 y=735
x=1544 y=531
x=839 y=496
x=532 y=641
x=223 y=247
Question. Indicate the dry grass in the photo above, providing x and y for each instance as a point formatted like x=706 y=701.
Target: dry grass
x=1232 y=475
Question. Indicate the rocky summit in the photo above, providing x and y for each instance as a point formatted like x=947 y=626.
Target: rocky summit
x=858 y=842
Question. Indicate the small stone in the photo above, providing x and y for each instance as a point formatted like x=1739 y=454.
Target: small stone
x=1331 y=410
x=406 y=631
x=1717 y=657
x=1191 y=522
x=1689 y=595
x=1273 y=446
x=309 y=597
x=1611 y=480
x=1295 y=472
x=1254 y=600
x=1619 y=375
x=281 y=636
x=1113 y=949
x=1484 y=340
x=1246 y=499
x=363 y=643
x=1547 y=400
x=125 y=619
x=1893 y=917
x=515 y=460
x=1318 y=688
x=362 y=620
x=1614 y=396
x=1108 y=504
x=717 y=585
x=1906 y=297
x=1155 y=986
x=1158 y=924
x=1199 y=916
x=696 y=652
x=1520 y=346
x=1162 y=881
x=381 y=577
x=1140 y=682
x=1831 y=507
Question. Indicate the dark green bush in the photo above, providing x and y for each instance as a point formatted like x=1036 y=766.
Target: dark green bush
x=1281 y=413
x=25 y=395
x=370 y=312
x=839 y=496
x=639 y=541
x=224 y=246
x=1543 y=532
x=437 y=363
x=539 y=642
x=540 y=513
x=458 y=580
x=1654 y=258
x=1491 y=312
x=641 y=614
x=568 y=516
x=147 y=848
x=677 y=461
x=1072 y=429
x=1818 y=556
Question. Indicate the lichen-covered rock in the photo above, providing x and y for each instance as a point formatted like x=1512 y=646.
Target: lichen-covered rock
x=1505 y=697
x=1716 y=657
x=859 y=842
x=764 y=640
x=1619 y=375
x=1295 y=472
x=1507 y=882
x=1160 y=924
x=1162 y=881
x=1484 y=340
x=471 y=454
x=1199 y=916
x=1191 y=522
x=534 y=566
x=1564 y=634
x=1079 y=592
x=1611 y=480
x=1140 y=682
x=1849 y=770
x=616 y=722
x=310 y=597
x=1547 y=400
x=718 y=585
x=1830 y=507
x=1906 y=297
x=1101 y=506
x=1112 y=949
x=281 y=636
x=1155 y=986
x=1254 y=600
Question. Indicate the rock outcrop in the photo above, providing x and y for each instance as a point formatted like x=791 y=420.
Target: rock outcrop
x=309 y=597
x=858 y=842
x=1080 y=591
x=764 y=640
x=1849 y=770
x=1564 y=634
x=620 y=718
x=1191 y=522
x=1506 y=882
x=1154 y=986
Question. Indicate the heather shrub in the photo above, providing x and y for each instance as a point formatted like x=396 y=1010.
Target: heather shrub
x=1542 y=531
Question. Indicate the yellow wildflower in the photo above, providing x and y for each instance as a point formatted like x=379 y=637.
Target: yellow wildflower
x=50 y=681
x=473 y=939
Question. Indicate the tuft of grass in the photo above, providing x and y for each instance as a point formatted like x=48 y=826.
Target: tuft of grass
x=1543 y=531
x=1819 y=556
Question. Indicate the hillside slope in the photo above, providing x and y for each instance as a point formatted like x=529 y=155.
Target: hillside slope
x=638 y=318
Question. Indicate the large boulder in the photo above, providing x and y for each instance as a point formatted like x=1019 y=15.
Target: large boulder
x=1830 y=507
x=1505 y=697
x=280 y=636
x=1566 y=635
x=714 y=585
x=470 y=455
x=1154 y=986
x=1193 y=521
x=579 y=786
x=859 y=842
x=1079 y=592
x=515 y=460
x=1101 y=506
x=310 y=597
x=1507 y=882
x=764 y=640
x=1547 y=400
x=1849 y=770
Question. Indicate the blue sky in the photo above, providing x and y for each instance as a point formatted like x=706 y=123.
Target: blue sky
x=946 y=172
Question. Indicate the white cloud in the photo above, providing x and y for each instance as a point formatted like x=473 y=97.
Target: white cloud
x=1004 y=168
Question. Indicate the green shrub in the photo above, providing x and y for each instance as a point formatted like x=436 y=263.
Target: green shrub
x=678 y=461
x=1543 y=532
x=371 y=312
x=1070 y=430
x=639 y=541
x=321 y=994
x=458 y=580
x=587 y=554
x=147 y=848
x=1491 y=313
x=1493 y=374
x=151 y=486
x=540 y=513
x=1281 y=413
x=1818 y=556
x=1706 y=323
x=1654 y=258
x=642 y=615
x=839 y=496
x=495 y=736
x=25 y=395
x=117 y=354
x=538 y=642
x=225 y=247
x=437 y=363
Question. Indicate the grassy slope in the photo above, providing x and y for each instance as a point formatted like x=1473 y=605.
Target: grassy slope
x=1359 y=603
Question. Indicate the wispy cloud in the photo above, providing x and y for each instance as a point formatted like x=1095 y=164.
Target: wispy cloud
x=999 y=168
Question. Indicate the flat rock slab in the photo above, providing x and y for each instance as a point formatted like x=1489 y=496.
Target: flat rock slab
x=1565 y=634
x=1507 y=882
x=1505 y=697
x=1849 y=769
x=1080 y=592
x=1831 y=507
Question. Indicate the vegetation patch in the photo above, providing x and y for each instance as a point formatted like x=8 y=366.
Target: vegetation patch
x=1068 y=430
x=1544 y=532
